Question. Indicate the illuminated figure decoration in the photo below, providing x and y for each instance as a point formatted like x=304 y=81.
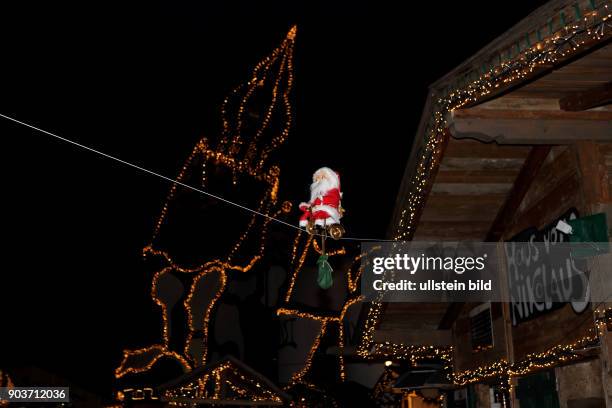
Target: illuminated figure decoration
x=202 y=245
x=199 y=242
x=227 y=380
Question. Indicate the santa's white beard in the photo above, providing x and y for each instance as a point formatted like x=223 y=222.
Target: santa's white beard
x=320 y=188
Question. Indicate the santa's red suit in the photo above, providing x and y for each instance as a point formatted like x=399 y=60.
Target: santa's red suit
x=325 y=195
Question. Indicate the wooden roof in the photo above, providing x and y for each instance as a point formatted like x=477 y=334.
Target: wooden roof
x=586 y=73
x=472 y=183
x=253 y=387
x=490 y=145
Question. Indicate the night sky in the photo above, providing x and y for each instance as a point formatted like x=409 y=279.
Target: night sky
x=144 y=81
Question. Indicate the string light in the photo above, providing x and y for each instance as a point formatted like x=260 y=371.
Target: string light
x=339 y=251
x=504 y=371
x=227 y=154
x=352 y=279
x=413 y=353
x=298 y=376
x=297 y=267
x=383 y=389
x=504 y=69
x=222 y=280
x=157 y=350
x=213 y=385
x=316 y=397
x=233 y=154
x=136 y=394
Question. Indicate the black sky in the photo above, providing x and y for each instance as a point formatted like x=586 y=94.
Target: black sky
x=144 y=81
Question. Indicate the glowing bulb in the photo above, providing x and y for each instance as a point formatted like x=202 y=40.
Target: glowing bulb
x=388 y=363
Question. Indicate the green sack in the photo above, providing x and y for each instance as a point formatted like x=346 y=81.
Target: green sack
x=324 y=279
x=592 y=229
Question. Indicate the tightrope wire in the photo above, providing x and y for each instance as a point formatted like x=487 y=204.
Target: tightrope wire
x=170 y=179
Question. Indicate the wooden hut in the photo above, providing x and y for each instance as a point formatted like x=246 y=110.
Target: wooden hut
x=513 y=139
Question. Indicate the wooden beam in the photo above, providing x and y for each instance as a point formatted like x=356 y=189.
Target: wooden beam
x=476 y=176
x=214 y=402
x=430 y=337
x=532 y=165
x=591 y=98
x=563 y=196
x=473 y=148
x=445 y=229
x=544 y=114
x=451 y=314
x=530 y=127
x=593 y=174
x=539 y=71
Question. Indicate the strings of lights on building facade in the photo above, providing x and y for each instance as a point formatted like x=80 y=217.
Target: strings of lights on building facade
x=513 y=64
x=562 y=37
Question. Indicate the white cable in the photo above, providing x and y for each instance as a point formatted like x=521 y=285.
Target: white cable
x=171 y=179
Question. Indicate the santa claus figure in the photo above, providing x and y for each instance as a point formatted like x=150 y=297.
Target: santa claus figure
x=324 y=208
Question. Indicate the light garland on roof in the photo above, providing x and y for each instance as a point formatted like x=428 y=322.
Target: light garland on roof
x=412 y=353
x=504 y=372
x=558 y=354
x=518 y=61
x=212 y=384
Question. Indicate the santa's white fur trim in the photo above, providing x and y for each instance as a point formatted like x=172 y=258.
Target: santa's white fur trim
x=333 y=212
x=323 y=223
x=303 y=223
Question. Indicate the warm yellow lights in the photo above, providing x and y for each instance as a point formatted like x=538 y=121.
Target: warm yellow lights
x=154 y=352
x=224 y=382
x=352 y=273
x=242 y=155
x=388 y=363
x=325 y=321
x=503 y=371
x=507 y=68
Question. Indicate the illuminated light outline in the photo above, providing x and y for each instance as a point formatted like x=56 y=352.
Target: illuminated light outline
x=546 y=52
x=198 y=387
x=163 y=352
x=219 y=157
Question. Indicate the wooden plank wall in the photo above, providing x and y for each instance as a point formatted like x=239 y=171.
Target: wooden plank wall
x=605 y=150
x=465 y=357
x=472 y=183
x=557 y=188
